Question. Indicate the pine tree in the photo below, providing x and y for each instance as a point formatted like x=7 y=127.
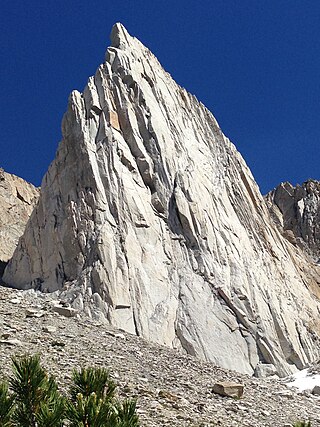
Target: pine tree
x=92 y=380
x=93 y=403
x=6 y=406
x=90 y=411
x=126 y=414
x=37 y=400
x=302 y=424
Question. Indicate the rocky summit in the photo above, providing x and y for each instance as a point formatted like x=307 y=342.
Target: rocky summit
x=150 y=220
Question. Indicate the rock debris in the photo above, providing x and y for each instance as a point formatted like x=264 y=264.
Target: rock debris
x=171 y=389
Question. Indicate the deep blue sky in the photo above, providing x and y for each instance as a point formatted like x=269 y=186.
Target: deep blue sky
x=254 y=63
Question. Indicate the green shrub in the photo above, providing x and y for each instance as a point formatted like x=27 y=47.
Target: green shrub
x=92 y=401
x=302 y=424
x=6 y=406
x=37 y=400
x=92 y=380
x=33 y=399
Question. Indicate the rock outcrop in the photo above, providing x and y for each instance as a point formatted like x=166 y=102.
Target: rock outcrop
x=296 y=211
x=17 y=200
x=149 y=218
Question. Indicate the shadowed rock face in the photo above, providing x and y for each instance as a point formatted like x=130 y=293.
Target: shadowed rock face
x=149 y=218
x=17 y=200
x=297 y=213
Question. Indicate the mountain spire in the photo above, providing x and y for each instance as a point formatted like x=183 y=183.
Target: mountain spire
x=150 y=219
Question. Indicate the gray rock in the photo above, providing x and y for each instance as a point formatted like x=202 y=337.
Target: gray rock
x=120 y=336
x=6 y=335
x=285 y=393
x=15 y=301
x=264 y=370
x=64 y=311
x=316 y=390
x=50 y=329
x=11 y=342
x=33 y=312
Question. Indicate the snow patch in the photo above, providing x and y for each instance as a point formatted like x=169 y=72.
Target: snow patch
x=304 y=380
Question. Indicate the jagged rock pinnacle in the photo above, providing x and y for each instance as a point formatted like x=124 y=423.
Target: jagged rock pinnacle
x=119 y=35
x=150 y=219
x=297 y=213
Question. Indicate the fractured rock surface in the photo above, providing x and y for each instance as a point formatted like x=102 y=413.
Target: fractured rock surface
x=17 y=200
x=297 y=211
x=150 y=219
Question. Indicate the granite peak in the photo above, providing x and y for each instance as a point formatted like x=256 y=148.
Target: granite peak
x=150 y=219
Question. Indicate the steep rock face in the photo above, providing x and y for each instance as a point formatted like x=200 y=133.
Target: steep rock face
x=297 y=212
x=150 y=218
x=17 y=200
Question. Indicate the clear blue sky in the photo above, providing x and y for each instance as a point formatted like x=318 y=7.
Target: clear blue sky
x=254 y=63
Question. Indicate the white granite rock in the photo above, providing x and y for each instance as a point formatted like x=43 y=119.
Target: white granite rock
x=151 y=219
x=17 y=200
x=264 y=370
